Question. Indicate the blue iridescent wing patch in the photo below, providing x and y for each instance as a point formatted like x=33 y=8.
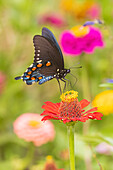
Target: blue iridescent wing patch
x=32 y=75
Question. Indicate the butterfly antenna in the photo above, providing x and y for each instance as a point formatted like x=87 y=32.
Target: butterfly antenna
x=75 y=67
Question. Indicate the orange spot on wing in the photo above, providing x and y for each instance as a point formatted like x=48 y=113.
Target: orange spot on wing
x=32 y=78
x=39 y=65
x=29 y=72
x=28 y=76
x=48 y=63
x=34 y=68
x=39 y=78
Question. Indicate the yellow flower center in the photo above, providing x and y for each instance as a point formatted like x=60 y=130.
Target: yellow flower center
x=34 y=123
x=49 y=157
x=69 y=96
x=80 y=31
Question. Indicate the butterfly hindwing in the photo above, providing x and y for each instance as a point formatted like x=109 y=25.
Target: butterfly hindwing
x=32 y=74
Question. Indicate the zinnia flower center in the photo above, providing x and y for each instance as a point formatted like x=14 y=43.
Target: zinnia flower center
x=34 y=123
x=69 y=96
x=80 y=31
x=70 y=107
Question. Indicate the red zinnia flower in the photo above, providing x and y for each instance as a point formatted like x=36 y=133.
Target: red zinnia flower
x=70 y=109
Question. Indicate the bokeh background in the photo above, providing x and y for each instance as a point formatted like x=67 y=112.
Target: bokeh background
x=20 y=20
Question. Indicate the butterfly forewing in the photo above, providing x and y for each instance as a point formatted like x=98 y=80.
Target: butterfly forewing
x=49 y=35
x=46 y=52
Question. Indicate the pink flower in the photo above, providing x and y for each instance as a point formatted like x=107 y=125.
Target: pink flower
x=104 y=148
x=2 y=81
x=52 y=19
x=81 y=39
x=94 y=11
x=29 y=126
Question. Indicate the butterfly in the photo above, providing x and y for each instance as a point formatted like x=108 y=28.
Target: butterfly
x=48 y=61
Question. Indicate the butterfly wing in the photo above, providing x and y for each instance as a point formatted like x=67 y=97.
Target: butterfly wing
x=45 y=51
x=47 y=60
x=49 y=35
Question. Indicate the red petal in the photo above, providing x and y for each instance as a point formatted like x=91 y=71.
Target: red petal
x=51 y=107
x=48 y=117
x=95 y=115
x=66 y=121
x=83 y=118
x=91 y=110
x=48 y=113
x=84 y=103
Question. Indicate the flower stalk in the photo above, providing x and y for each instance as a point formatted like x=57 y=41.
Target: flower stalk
x=70 y=129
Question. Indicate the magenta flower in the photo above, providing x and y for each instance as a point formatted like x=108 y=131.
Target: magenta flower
x=52 y=19
x=81 y=39
x=29 y=127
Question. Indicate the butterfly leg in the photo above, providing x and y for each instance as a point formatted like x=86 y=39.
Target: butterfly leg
x=64 y=80
x=59 y=86
x=75 y=80
x=69 y=82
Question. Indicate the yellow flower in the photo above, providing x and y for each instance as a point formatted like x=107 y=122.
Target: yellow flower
x=66 y=5
x=104 y=102
x=77 y=9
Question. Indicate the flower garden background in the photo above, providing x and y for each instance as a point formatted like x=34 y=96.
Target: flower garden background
x=26 y=142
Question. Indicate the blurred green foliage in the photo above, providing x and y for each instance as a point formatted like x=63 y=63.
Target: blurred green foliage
x=18 y=25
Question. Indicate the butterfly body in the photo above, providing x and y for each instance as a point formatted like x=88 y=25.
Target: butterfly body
x=48 y=60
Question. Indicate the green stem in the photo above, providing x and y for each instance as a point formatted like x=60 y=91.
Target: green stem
x=71 y=146
x=86 y=89
x=27 y=161
x=85 y=81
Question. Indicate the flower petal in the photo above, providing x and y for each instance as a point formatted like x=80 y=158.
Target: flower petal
x=91 y=110
x=84 y=103
x=49 y=114
x=48 y=117
x=95 y=115
x=51 y=107
x=83 y=118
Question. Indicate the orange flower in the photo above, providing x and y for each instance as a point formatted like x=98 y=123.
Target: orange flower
x=29 y=126
x=81 y=10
